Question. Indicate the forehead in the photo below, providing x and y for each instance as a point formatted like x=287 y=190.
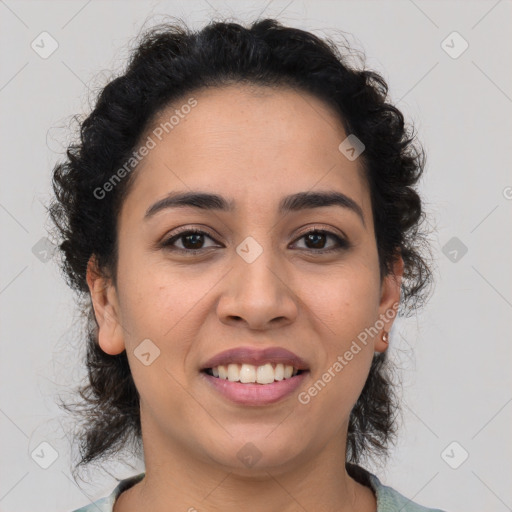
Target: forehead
x=250 y=143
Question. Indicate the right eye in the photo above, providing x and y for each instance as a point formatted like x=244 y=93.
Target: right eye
x=191 y=240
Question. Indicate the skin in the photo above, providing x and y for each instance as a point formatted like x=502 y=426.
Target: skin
x=254 y=145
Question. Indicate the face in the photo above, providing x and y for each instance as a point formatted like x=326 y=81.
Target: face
x=304 y=279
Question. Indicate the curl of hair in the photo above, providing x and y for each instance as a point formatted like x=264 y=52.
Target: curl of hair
x=169 y=63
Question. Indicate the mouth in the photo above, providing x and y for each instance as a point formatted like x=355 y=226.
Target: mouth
x=251 y=374
x=254 y=377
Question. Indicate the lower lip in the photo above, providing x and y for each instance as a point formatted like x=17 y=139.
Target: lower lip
x=255 y=394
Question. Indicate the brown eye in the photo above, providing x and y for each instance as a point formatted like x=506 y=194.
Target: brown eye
x=192 y=241
x=316 y=239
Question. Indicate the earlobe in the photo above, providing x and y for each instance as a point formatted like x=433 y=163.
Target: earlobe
x=106 y=309
x=389 y=302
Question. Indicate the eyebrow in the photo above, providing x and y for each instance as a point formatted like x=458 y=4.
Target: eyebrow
x=292 y=203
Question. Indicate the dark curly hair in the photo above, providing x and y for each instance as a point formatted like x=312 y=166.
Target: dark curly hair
x=172 y=61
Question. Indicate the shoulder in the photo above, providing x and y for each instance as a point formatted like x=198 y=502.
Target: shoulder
x=106 y=504
x=102 y=505
x=388 y=499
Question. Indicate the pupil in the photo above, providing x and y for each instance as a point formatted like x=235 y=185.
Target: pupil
x=192 y=236
x=315 y=237
x=317 y=240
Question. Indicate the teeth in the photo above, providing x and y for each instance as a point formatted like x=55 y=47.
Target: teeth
x=247 y=373
x=223 y=372
x=233 y=373
x=264 y=374
x=279 y=372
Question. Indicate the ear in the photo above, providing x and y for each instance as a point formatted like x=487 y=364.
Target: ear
x=106 y=309
x=389 y=301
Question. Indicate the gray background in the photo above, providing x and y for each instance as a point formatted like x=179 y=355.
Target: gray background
x=455 y=356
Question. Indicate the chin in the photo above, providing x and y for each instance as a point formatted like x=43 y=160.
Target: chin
x=251 y=455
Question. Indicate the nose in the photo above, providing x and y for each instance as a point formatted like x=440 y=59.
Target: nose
x=259 y=294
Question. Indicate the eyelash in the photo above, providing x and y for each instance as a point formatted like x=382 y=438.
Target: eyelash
x=343 y=244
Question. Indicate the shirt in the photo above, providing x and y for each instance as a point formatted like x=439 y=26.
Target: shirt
x=388 y=500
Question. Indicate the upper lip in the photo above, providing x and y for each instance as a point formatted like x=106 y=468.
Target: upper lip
x=256 y=357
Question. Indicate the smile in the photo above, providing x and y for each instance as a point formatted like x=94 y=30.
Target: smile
x=249 y=373
x=254 y=393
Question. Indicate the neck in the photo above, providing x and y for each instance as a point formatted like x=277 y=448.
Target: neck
x=175 y=476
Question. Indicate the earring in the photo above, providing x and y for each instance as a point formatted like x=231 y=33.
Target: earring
x=385 y=337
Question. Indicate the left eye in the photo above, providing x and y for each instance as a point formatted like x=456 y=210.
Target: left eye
x=318 y=237
x=192 y=241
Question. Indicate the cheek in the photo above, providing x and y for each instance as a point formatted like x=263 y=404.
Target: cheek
x=157 y=307
x=165 y=304
x=347 y=305
x=344 y=360
x=153 y=296
x=346 y=299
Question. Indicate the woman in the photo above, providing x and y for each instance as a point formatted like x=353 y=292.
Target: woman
x=240 y=211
